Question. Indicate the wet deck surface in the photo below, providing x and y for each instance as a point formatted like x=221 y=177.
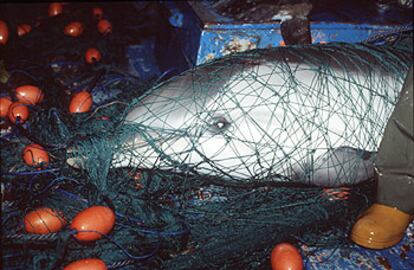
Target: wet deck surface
x=399 y=257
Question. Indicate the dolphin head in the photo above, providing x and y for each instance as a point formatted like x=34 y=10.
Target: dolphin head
x=203 y=119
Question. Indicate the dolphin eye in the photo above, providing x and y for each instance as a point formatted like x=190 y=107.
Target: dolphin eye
x=219 y=124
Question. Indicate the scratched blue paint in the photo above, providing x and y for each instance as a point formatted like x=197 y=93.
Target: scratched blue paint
x=202 y=41
x=210 y=39
x=215 y=38
x=215 y=44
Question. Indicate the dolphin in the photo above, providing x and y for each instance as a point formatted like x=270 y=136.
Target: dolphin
x=312 y=114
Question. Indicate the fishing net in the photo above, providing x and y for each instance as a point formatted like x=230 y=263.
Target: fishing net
x=307 y=114
x=210 y=169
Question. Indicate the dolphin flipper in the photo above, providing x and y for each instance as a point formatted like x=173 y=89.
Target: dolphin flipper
x=337 y=167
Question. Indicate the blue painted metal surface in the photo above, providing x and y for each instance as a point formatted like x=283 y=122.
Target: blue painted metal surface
x=219 y=40
x=215 y=36
x=199 y=34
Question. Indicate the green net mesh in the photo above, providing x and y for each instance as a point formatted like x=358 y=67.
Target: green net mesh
x=306 y=114
x=212 y=168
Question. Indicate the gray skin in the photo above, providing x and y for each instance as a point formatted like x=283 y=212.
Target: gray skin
x=312 y=114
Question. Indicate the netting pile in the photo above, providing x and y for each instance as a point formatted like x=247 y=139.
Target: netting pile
x=210 y=169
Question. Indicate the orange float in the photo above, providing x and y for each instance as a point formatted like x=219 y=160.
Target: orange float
x=35 y=155
x=87 y=264
x=286 y=257
x=18 y=111
x=80 y=102
x=29 y=94
x=97 y=12
x=43 y=220
x=73 y=29
x=104 y=27
x=5 y=103
x=95 y=221
x=23 y=29
x=55 y=9
x=92 y=55
x=4 y=33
